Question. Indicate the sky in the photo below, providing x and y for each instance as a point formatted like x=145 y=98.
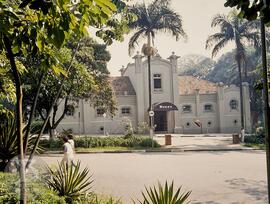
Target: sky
x=196 y=16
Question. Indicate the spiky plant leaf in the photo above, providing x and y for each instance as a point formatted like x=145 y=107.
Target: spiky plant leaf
x=69 y=182
x=164 y=195
x=9 y=141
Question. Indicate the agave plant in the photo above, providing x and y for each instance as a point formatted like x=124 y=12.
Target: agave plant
x=9 y=141
x=164 y=195
x=69 y=182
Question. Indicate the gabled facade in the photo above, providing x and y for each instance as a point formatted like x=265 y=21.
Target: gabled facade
x=215 y=106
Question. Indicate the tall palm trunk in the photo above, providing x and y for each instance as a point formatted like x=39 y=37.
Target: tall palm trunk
x=19 y=119
x=266 y=109
x=241 y=92
x=149 y=78
x=239 y=58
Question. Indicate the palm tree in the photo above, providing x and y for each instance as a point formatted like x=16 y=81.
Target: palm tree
x=151 y=19
x=240 y=32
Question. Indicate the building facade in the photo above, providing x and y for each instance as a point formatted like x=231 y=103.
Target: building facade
x=181 y=104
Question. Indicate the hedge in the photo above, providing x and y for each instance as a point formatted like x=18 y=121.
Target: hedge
x=112 y=141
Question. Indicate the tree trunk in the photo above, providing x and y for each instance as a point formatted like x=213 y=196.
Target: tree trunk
x=33 y=109
x=241 y=92
x=19 y=119
x=50 y=129
x=266 y=109
x=49 y=112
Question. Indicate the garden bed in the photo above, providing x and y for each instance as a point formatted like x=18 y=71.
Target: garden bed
x=111 y=143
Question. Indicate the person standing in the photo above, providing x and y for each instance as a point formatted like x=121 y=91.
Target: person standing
x=71 y=142
x=68 y=152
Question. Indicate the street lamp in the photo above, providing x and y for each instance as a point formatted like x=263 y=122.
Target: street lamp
x=104 y=131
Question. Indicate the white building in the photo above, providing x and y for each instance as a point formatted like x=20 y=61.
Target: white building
x=215 y=106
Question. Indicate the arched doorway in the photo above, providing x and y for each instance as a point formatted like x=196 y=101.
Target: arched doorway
x=161 y=115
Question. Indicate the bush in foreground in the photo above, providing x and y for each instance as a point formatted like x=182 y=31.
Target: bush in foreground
x=37 y=192
x=112 y=141
x=69 y=182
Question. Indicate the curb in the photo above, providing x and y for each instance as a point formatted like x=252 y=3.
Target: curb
x=158 y=151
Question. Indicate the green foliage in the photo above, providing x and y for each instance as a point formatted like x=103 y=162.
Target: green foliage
x=112 y=141
x=196 y=65
x=87 y=78
x=143 y=127
x=69 y=182
x=164 y=195
x=100 y=199
x=152 y=19
x=9 y=141
x=37 y=192
x=254 y=139
x=7 y=88
x=36 y=127
x=250 y=9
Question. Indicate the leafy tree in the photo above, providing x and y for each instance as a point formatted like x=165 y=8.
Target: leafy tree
x=87 y=79
x=251 y=10
x=151 y=19
x=238 y=31
x=33 y=26
x=225 y=71
x=196 y=65
x=7 y=88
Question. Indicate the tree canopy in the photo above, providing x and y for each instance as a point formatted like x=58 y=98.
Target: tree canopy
x=251 y=9
x=152 y=19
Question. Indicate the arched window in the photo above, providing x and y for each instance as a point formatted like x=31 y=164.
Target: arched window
x=233 y=104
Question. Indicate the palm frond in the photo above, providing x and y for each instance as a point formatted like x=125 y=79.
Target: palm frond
x=219 y=46
x=220 y=20
x=134 y=40
x=166 y=20
x=156 y=17
x=213 y=39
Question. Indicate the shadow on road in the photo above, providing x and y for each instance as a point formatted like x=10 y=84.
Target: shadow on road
x=254 y=188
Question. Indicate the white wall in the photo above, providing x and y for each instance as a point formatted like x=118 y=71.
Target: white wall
x=91 y=123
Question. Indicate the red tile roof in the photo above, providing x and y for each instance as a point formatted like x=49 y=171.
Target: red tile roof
x=188 y=85
x=122 y=85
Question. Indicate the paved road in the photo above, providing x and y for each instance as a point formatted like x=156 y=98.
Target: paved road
x=201 y=142
x=237 y=177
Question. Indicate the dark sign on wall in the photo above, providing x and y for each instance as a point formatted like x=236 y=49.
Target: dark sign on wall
x=165 y=106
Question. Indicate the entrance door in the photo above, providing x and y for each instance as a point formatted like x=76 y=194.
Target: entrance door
x=160 y=120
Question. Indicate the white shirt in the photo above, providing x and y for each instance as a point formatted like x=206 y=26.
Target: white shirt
x=71 y=142
x=68 y=151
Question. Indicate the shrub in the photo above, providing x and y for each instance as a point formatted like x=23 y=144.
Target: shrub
x=9 y=142
x=254 y=139
x=37 y=193
x=100 y=199
x=69 y=182
x=143 y=127
x=91 y=142
x=164 y=195
x=36 y=127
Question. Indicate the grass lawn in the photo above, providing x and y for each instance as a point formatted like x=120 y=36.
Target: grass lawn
x=102 y=149
x=256 y=146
